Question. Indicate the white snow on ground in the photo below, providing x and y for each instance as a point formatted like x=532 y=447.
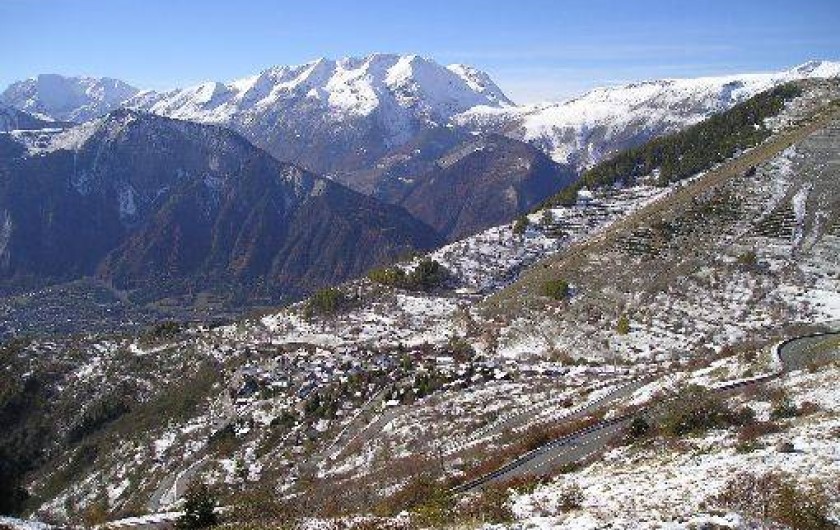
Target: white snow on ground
x=288 y=356
x=21 y=524
x=163 y=444
x=491 y=259
x=406 y=318
x=669 y=486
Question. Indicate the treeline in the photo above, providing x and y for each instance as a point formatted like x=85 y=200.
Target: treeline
x=688 y=152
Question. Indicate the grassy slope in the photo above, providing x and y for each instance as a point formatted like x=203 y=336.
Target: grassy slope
x=524 y=291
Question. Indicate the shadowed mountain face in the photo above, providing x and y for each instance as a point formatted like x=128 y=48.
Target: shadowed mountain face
x=484 y=182
x=151 y=203
x=13 y=119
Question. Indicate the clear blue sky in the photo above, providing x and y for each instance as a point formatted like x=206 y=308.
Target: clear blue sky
x=534 y=49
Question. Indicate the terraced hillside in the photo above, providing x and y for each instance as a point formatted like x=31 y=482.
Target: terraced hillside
x=721 y=259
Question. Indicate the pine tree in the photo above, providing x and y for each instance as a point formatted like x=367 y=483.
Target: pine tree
x=199 y=508
x=520 y=225
x=623 y=327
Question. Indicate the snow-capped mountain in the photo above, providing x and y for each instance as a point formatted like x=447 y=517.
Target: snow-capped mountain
x=337 y=117
x=380 y=123
x=406 y=85
x=583 y=130
x=74 y=99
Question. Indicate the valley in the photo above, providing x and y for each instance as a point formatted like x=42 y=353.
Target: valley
x=397 y=396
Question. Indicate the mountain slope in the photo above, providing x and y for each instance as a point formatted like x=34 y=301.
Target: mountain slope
x=165 y=205
x=75 y=99
x=584 y=130
x=483 y=183
x=342 y=410
x=14 y=119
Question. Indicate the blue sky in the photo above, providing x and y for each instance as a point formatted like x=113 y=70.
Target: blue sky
x=534 y=49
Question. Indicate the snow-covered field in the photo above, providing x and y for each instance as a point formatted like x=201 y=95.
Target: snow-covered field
x=672 y=486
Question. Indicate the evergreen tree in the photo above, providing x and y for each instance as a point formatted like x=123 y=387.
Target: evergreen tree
x=520 y=225
x=557 y=289
x=198 y=508
x=623 y=326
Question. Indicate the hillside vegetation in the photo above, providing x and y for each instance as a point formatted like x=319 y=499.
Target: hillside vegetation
x=678 y=156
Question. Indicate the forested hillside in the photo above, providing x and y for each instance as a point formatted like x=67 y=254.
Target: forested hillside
x=677 y=156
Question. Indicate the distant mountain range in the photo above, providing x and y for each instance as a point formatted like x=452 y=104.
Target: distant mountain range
x=61 y=98
x=583 y=131
x=351 y=118
x=144 y=197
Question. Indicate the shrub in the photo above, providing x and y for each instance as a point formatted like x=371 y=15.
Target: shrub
x=526 y=484
x=699 y=409
x=223 y=441
x=806 y=408
x=748 y=259
x=623 y=326
x=557 y=289
x=639 y=428
x=776 y=498
x=165 y=330
x=536 y=436
x=199 y=508
x=393 y=276
x=785 y=447
x=521 y=225
x=97 y=416
x=96 y=513
x=570 y=498
x=784 y=407
x=491 y=505
x=745 y=447
x=325 y=302
x=460 y=348
x=427 y=275
x=259 y=503
x=430 y=503
x=754 y=430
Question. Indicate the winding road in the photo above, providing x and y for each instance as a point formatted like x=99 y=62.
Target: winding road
x=790 y=355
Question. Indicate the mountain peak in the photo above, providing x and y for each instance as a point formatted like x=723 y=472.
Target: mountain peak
x=395 y=93
x=817 y=68
x=76 y=98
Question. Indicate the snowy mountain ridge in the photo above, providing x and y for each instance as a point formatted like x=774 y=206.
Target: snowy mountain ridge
x=583 y=130
x=353 y=85
x=67 y=98
x=349 y=115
